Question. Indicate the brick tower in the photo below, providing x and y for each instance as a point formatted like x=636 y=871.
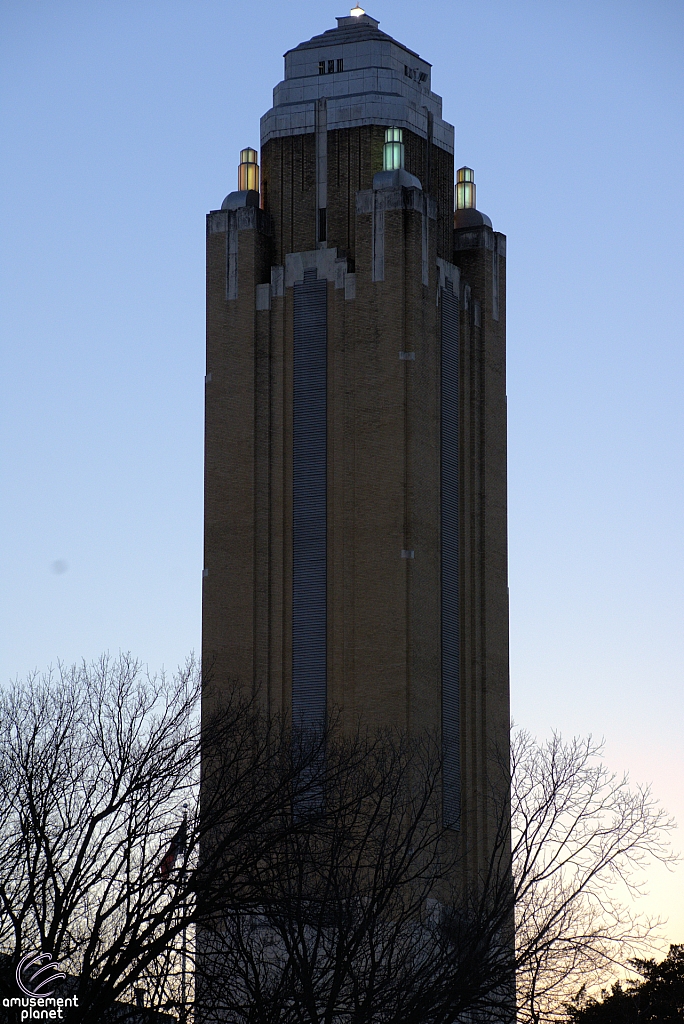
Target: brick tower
x=355 y=488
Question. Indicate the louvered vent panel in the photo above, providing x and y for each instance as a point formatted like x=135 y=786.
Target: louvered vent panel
x=451 y=740
x=309 y=503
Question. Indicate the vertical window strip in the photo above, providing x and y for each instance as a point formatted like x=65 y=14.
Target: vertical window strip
x=309 y=576
x=450 y=626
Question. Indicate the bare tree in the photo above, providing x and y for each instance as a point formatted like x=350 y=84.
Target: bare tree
x=360 y=918
x=98 y=765
x=314 y=881
x=364 y=918
x=580 y=839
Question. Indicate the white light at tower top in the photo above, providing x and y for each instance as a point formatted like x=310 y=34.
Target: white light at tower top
x=357 y=11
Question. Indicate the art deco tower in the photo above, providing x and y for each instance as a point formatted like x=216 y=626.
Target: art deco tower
x=355 y=518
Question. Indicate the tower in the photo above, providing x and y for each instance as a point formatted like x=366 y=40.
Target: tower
x=355 y=453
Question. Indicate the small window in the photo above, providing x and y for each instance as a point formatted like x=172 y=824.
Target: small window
x=321 y=67
x=423 y=77
x=331 y=67
x=340 y=64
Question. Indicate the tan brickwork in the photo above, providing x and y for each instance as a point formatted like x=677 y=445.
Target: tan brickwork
x=231 y=457
x=484 y=554
x=288 y=175
x=383 y=484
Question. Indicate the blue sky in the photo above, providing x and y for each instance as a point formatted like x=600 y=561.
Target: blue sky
x=121 y=126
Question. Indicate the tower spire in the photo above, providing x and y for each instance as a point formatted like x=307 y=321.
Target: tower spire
x=465 y=189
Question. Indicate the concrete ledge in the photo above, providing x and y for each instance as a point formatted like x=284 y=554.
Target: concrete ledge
x=241 y=219
x=448 y=272
x=263 y=296
x=392 y=179
x=328 y=266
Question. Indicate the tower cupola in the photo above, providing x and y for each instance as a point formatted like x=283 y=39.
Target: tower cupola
x=465 y=189
x=393 y=150
x=248 y=171
x=467 y=215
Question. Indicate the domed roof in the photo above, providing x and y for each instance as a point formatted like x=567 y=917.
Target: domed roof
x=390 y=179
x=234 y=200
x=471 y=219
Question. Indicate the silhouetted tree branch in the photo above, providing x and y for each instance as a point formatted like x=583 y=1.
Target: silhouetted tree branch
x=360 y=916
x=657 y=998
x=96 y=765
x=580 y=839
x=317 y=882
